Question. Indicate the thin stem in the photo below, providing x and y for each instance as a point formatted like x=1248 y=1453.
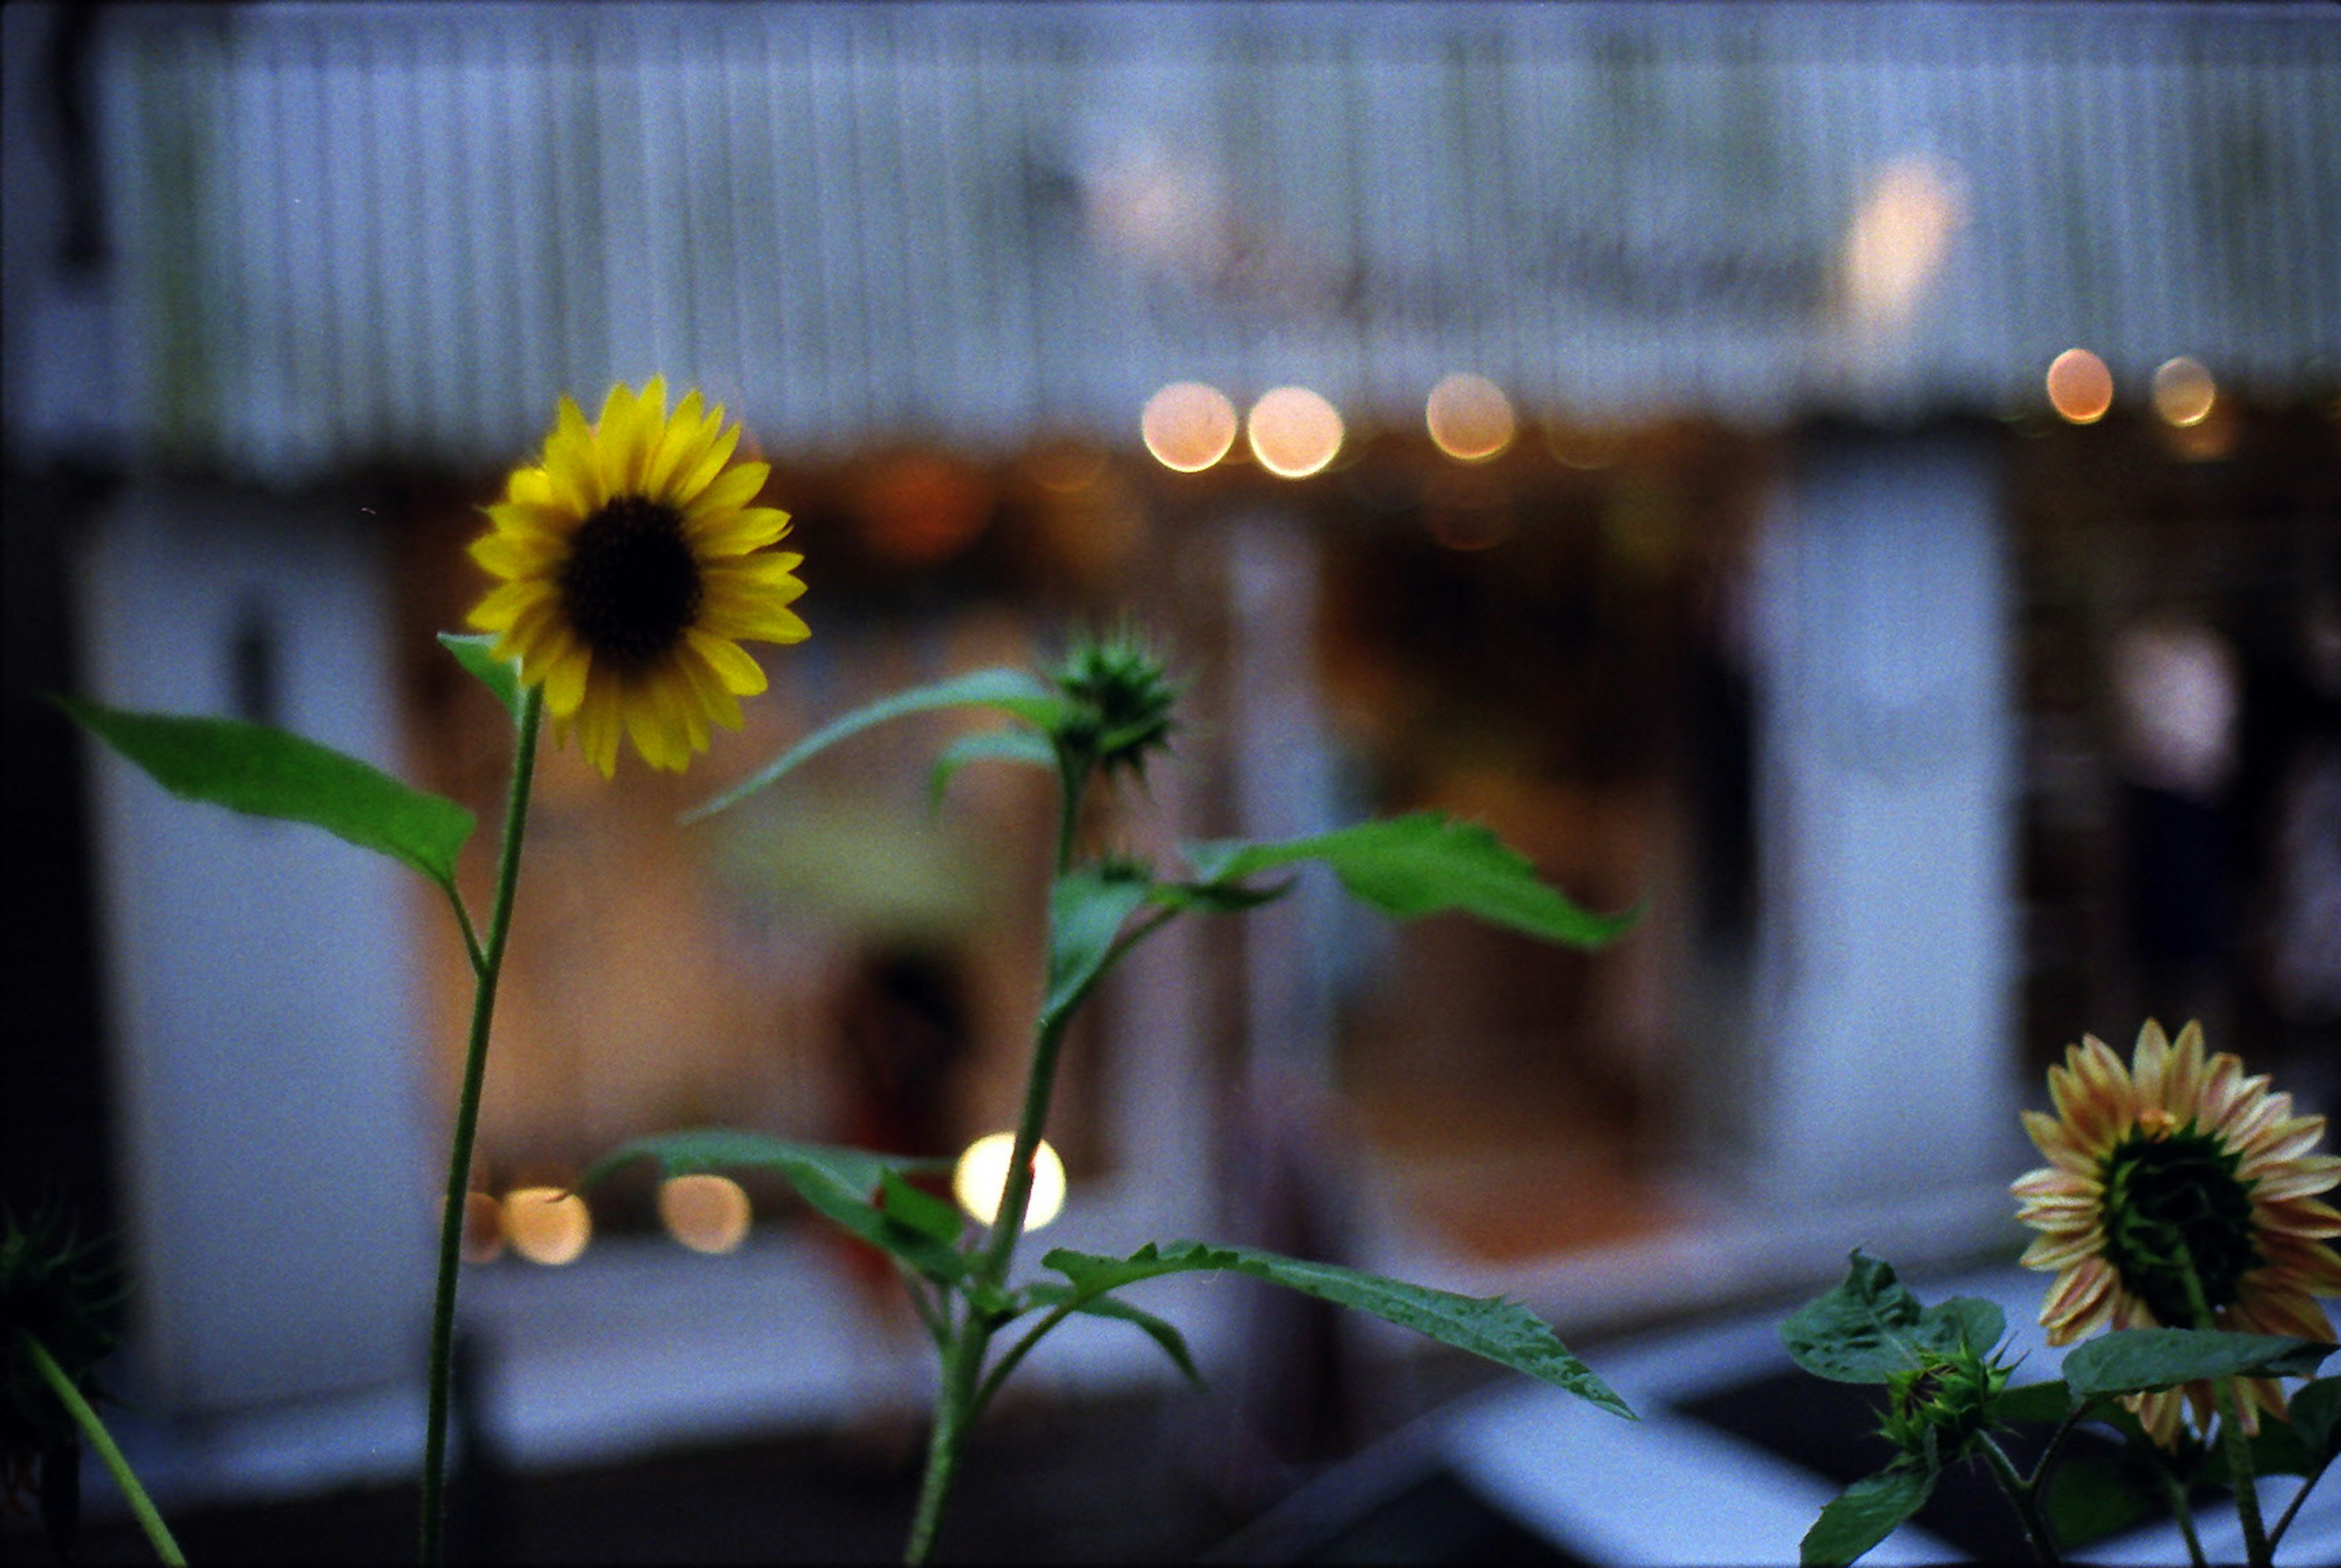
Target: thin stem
x=2024 y=1493
x=2238 y=1446
x=1017 y=1353
x=467 y=1125
x=142 y=1507
x=471 y=937
x=2307 y=1485
x=2183 y=1513
x=2055 y=1439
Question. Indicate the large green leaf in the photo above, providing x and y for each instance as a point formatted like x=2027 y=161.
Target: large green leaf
x=849 y=1187
x=477 y=654
x=1870 y=1326
x=1051 y=1294
x=2089 y=1496
x=2135 y=1361
x=1086 y=910
x=2316 y=1415
x=265 y=772
x=1865 y=1514
x=2047 y=1402
x=1423 y=864
x=1504 y=1332
x=1012 y=692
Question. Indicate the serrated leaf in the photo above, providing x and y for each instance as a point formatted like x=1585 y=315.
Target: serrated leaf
x=2089 y=1496
x=1049 y=1293
x=1503 y=1331
x=1423 y=864
x=2138 y=1359
x=265 y=772
x=838 y=1183
x=1012 y=692
x=2045 y=1403
x=1870 y=1326
x=477 y=653
x=1086 y=911
x=1003 y=744
x=1864 y=1514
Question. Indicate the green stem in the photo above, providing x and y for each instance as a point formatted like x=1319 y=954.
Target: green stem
x=490 y=964
x=2024 y=1493
x=142 y=1507
x=2184 y=1512
x=2229 y=1401
x=963 y=1393
x=2284 y=1523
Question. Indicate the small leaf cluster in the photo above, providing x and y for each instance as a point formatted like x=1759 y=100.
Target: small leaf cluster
x=57 y=1291
x=1948 y=1394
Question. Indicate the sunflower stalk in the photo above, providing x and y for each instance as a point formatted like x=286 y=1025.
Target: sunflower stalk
x=2023 y=1494
x=142 y=1507
x=2237 y=1445
x=489 y=963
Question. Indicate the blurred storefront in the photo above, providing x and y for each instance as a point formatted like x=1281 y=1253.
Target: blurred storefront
x=1626 y=426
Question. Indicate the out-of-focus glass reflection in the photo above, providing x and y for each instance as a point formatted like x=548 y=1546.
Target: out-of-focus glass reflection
x=2184 y=392
x=547 y=1226
x=2080 y=387
x=704 y=1212
x=1187 y=426
x=1293 y=432
x=1469 y=417
x=981 y=1179
x=1898 y=239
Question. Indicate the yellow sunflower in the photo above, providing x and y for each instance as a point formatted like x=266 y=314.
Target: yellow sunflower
x=2171 y=1162
x=632 y=573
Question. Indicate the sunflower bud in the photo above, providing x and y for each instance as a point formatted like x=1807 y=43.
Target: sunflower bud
x=1121 y=702
x=1936 y=1411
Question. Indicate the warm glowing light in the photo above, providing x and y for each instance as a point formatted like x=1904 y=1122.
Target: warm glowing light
x=1187 y=426
x=982 y=1180
x=707 y=1213
x=2184 y=391
x=546 y=1225
x=2080 y=387
x=1469 y=417
x=1293 y=432
x=1898 y=239
x=483 y=1228
x=921 y=508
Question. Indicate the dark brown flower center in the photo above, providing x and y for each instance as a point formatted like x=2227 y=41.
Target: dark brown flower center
x=631 y=586
x=2173 y=1201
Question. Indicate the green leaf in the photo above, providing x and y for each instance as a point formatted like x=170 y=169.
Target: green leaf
x=1503 y=1331
x=1086 y=910
x=923 y=1211
x=1006 y=743
x=501 y=676
x=2090 y=1496
x=1049 y=1293
x=2277 y=1449
x=1215 y=898
x=2135 y=1361
x=2045 y=1403
x=1422 y=864
x=265 y=772
x=2316 y=1415
x=1010 y=692
x=1871 y=1326
x=837 y=1182
x=1864 y=1514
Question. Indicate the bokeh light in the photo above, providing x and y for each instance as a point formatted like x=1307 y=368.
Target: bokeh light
x=1471 y=418
x=982 y=1180
x=1187 y=426
x=1899 y=238
x=1293 y=432
x=2080 y=387
x=547 y=1226
x=706 y=1212
x=2184 y=391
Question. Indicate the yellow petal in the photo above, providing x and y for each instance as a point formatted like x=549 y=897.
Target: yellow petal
x=732 y=663
x=736 y=533
x=700 y=474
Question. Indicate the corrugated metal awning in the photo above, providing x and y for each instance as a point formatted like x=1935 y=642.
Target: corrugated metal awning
x=349 y=233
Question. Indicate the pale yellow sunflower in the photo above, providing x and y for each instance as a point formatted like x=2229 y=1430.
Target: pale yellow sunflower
x=2179 y=1157
x=633 y=566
